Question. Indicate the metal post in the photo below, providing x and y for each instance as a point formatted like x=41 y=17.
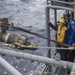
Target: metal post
x=55 y=20
x=55 y=17
x=47 y=2
x=42 y=59
x=48 y=29
x=47 y=26
x=9 y=68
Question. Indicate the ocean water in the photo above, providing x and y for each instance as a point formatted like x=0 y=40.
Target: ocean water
x=29 y=14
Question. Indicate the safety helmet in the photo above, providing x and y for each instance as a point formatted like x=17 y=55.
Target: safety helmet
x=73 y=23
x=62 y=20
x=67 y=14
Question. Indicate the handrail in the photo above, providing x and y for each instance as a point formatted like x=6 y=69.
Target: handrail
x=58 y=7
x=41 y=59
x=69 y=3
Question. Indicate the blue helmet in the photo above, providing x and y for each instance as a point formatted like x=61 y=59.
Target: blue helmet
x=73 y=23
x=67 y=14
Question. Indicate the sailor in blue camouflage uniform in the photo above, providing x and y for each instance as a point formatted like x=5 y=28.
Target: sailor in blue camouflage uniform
x=72 y=42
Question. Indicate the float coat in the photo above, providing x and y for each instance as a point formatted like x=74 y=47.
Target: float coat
x=61 y=33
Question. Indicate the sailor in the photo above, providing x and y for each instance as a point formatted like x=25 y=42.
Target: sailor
x=62 y=35
x=69 y=25
x=72 y=41
x=68 y=18
x=69 y=32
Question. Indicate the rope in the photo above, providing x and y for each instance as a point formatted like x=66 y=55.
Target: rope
x=60 y=48
x=35 y=47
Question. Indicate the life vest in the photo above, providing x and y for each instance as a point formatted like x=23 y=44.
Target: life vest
x=61 y=33
x=70 y=42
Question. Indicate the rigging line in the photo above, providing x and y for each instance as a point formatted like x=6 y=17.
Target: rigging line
x=36 y=34
x=33 y=47
x=69 y=48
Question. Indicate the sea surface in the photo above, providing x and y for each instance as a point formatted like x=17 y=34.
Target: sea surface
x=29 y=14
